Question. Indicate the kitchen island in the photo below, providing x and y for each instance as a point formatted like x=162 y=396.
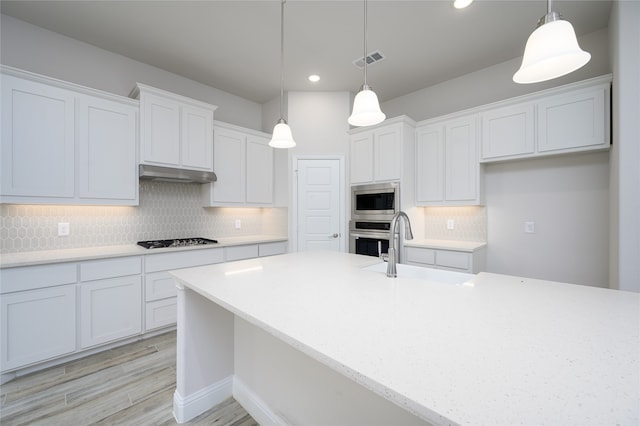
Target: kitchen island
x=312 y=338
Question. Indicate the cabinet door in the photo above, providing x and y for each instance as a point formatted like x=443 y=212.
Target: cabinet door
x=573 y=121
x=107 y=151
x=37 y=325
x=228 y=163
x=160 y=130
x=38 y=140
x=461 y=161
x=110 y=309
x=362 y=158
x=430 y=164
x=197 y=138
x=259 y=166
x=508 y=132
x=387 y=154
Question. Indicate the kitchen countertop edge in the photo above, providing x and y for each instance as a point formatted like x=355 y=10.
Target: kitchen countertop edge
x=43 y=257
x=467 y=246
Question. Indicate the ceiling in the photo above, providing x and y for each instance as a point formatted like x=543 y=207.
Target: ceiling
x=235 y=45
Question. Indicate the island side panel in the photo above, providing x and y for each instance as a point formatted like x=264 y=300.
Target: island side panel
x=204 y=358
x=299 y=390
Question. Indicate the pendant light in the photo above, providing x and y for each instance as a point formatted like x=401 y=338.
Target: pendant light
x=282 y=137
x=552 y=51
x=366 y=109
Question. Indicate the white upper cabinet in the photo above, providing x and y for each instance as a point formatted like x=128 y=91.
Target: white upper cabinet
x=175 y=131
x=447 y=169
x=38 y=140
x=378 y=153
x=107 y=150
x=566 y=119
x=508 y=131
x=243 y=163
x=66 y=144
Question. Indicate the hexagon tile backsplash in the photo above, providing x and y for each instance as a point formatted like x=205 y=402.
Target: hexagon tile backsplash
x=166 y=210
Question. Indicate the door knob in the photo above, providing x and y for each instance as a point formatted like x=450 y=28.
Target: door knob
x=333 y=236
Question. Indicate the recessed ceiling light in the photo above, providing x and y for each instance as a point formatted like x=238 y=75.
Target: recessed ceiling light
x=461 y=4
x=314 y=78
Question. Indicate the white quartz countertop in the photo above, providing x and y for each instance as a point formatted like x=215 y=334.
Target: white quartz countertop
x=468 y=246
x=10 y=260
x=499 y=350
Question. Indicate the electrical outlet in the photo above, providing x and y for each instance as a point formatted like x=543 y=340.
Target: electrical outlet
x=63 y=229
x=530 y=227
x=450 y=224
x=238 y=224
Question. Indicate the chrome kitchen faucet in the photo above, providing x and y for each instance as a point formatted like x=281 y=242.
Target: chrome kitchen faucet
x=394 y=253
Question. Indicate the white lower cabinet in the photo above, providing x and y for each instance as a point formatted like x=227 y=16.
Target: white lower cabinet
x=453 y=260
x=110 y=300
x=110 y=309
x=272 y=249
x=37 y=325
x=160 y=295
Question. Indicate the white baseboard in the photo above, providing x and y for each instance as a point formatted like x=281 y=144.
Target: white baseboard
x=185 y=409
x=255 y=406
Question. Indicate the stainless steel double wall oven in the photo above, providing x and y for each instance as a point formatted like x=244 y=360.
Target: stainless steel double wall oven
x=372 y=208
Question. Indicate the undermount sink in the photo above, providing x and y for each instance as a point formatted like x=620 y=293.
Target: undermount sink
x=429 y=274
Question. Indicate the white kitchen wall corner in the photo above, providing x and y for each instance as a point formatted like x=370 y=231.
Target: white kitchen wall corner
x=243 y=163
x=566 y=119
x=382 y=153
x=66 y=144
x=175 y=131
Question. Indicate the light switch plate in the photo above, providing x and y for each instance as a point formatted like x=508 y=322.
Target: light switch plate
x=238 y=224
x=63 y=229
x=450 y=224
x=530 y=227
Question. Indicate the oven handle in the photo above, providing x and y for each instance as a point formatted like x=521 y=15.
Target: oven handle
x=373 y=235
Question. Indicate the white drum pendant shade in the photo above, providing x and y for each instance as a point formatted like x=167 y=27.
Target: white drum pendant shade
x=282 y=137
x=552 y=51
x=366 y=109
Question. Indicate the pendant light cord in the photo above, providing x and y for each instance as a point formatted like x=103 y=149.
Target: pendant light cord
x=282 y=58
x=364 y=56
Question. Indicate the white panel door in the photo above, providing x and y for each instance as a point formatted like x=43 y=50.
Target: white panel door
x=319 y=205
x=37 y=325
x=107 y=150
x=430 y=164
x=461 y=162
x=110 y=309
x=160 y=130
x=229 y=163
x=197 y=138
x=38 y=139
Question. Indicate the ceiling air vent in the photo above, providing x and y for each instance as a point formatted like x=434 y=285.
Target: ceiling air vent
x=375 y=56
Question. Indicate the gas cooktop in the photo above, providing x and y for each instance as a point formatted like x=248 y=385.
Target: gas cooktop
x=177 y=242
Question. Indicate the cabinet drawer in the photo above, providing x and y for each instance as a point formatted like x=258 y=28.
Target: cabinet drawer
x=271 y=249
x=110 y=268
x=161 y=313
x=453 y=259
x=34 y=277
x=241 y=252
x=183 y=259
x=159 y=285
x=420 y=255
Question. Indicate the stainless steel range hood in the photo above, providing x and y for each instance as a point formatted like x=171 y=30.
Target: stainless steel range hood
x=170 y=174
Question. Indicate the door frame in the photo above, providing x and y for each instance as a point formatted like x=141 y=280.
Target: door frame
x=293 y=237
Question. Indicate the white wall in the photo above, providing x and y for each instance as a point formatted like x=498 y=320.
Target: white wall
x=492 y=84
x=625 y=152
x=318 y=121
x=567 y=198
x=35 y=49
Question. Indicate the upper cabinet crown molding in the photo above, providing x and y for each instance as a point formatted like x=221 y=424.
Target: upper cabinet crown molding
x=175 y=131
x=65 y=144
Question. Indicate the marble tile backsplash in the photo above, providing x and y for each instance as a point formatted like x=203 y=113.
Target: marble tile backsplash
x=470 y=223
x=166 y=210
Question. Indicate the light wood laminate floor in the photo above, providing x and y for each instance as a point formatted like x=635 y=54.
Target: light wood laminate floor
x=129 y=385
